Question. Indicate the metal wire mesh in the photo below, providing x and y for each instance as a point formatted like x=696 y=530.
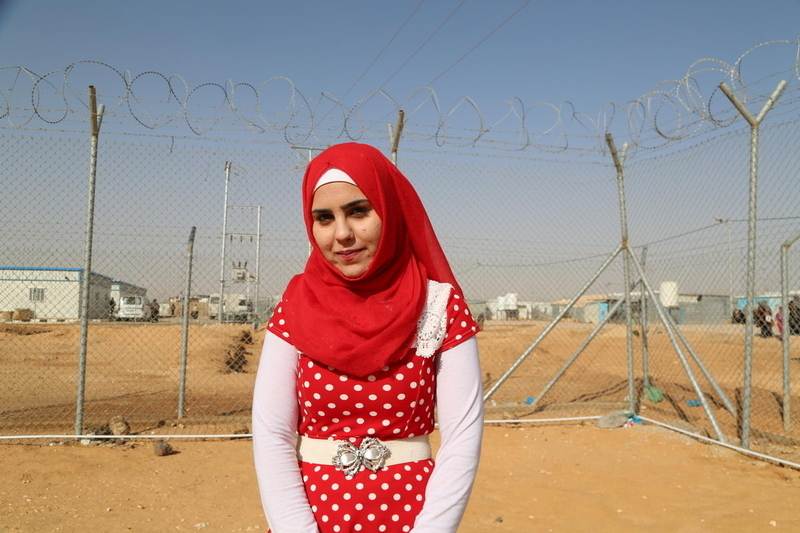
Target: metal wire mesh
x=524 y=235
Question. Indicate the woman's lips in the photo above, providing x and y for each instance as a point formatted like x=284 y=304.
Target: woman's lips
x=348 y=255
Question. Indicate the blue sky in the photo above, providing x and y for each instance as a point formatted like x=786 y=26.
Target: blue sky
x=588 y=53
x=585 y=52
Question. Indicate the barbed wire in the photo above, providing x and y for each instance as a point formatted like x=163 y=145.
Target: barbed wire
x=673 y=111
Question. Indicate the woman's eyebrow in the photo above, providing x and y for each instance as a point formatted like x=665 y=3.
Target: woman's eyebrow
x=348 y=205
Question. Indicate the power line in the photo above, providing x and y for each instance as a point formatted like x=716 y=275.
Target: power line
x=468 y=52
x=439 y=27
x=405 y=23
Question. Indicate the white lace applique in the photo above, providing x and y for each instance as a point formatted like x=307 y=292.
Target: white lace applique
x=432 y=324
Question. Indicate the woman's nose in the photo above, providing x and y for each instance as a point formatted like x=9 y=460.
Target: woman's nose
x=343 y=231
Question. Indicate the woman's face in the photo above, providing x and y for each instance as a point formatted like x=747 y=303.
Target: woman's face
x=345 y=227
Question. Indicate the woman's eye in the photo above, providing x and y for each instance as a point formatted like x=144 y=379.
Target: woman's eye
x=359 y=211
x=323 y=218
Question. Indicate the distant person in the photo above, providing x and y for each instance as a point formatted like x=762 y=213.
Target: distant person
x=112 y=307
x=779 y=321
x=762 y=317
x=154 y=310
x=794 y=316
x=738 y=316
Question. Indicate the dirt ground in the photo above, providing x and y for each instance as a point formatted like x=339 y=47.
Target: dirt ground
x=535 y=478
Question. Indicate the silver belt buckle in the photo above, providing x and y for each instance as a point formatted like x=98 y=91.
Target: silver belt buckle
x=349 y=458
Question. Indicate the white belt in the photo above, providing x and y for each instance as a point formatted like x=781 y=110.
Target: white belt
x=373 y=454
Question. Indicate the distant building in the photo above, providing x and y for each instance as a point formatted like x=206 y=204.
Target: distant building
x=55 y=293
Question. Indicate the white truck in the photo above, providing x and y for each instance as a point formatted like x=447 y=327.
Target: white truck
x=235 y=307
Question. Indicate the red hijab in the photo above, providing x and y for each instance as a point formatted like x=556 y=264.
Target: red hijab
x=358 y=325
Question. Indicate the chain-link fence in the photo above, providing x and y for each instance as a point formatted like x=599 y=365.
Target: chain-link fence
x=525 y=233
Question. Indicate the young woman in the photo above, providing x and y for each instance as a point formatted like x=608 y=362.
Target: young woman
x=366 y=342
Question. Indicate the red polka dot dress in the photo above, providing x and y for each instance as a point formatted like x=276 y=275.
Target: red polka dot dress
x=395 y=402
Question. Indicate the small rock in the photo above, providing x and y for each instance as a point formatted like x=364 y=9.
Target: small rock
x=617 y=419
x=119 y=426
x=161 y=447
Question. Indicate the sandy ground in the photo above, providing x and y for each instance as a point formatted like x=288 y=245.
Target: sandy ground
x=532 y=478
x=561 y=478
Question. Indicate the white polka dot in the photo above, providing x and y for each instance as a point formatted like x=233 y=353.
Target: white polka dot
x=384 y=507
x=396 y=431
x=371 y=517
x=323 y=497
x=395 y=518
x=456 y=308
x=410 y=365
x=371 y=378
x=335 y=486
x=332 y=406
x=359 y=421
x=316 y=396
x=373 y=477
x=401 y=396
x=406 y=529
x=347 y=517
x=307 y=404
x=305 y=478
x=325 y=518
x=329 y=387
x=357 y=387
x=306 y=384
x=413 y=384
x=386 y=422
x=396 y=497
x=385 y=368
x=359 y=405
x=371 y=431
x=359 y=486
x=317 y=376
x=399 y=377
x=406 y=507
x=343 y=396
x=357 y=527
x=409 y=486
x=458 y=337
x=373 y=397
x=335 y=507
x=312 y=488
x=381 y=528
x=285 y=334
x=400 y=414
x=419 y=497
x=385 y=486
x=342 y=378
x=321 y=413
x=346 y=430
x=373 y=413
x=336 y=528
x=314 y=508
x=456 y=296
x=281 y=322
x=311 y=364
x=347 y=496
x=387 y=406
x=387 y=388
x=325 y=477
x=407 y=468
x=372 y=496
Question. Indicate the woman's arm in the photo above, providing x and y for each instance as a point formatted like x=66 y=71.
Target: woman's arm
x=275 y=412
x=459 y=397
